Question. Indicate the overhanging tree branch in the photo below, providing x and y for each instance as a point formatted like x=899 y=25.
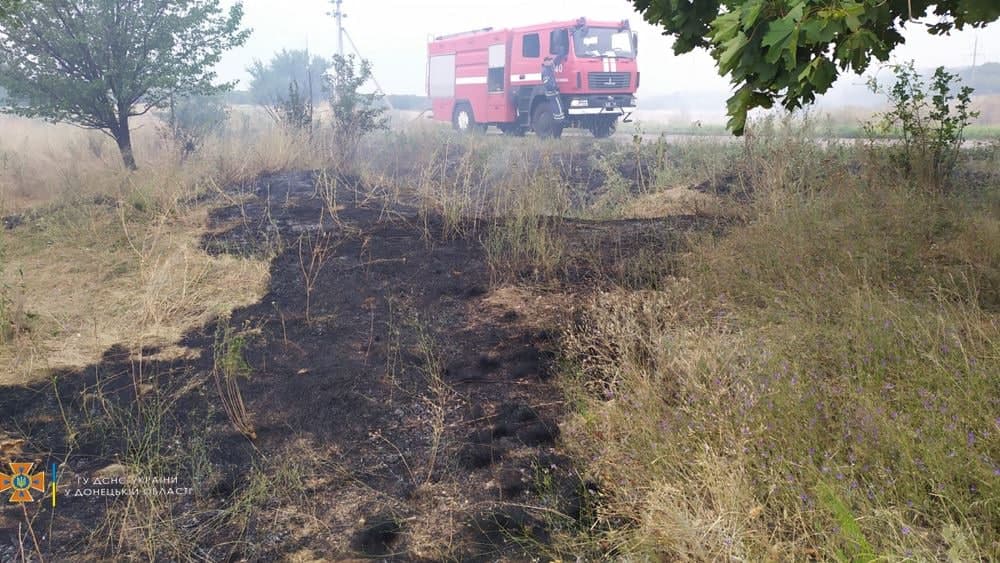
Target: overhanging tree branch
x=789 y=51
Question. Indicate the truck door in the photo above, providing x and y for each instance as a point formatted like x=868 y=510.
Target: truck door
x=525 y=70
x=496 y=84
x=526 y=62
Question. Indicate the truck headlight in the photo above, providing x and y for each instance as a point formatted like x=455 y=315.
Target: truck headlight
x=578 y=103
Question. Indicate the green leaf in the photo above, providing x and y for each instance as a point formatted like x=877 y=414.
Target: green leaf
x=795 y=14
x=820 y=72
x=852 y=21
x=782 y=37
x=776 y=39
x=741 y=102
x=820 y=29
x=856 y=49
x=736 y=106
x=854 y=9
x=765 y=71
x=750 y=13
x=726 y=26
x=731 y=51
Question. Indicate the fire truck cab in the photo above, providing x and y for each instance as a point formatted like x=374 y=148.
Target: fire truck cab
x=494 y=77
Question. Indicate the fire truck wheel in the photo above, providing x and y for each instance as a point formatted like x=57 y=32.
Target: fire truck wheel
x=464 y=122
x=603 y=128
x=544 y=123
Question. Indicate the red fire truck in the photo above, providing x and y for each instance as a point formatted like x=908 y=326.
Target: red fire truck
x=494 y=77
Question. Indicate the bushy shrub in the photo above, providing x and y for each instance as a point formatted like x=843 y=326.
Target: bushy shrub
x=930 y=119
x=192 y=119
x=355 y=114
x=294 y=111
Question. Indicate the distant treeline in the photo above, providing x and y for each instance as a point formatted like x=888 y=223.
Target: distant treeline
x=985 y=78
x=851 y=91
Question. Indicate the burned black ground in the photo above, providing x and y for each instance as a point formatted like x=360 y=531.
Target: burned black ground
x=404 y=391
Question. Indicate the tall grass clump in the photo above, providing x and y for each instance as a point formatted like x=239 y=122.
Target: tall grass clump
x=524 y=240
x=819 y=383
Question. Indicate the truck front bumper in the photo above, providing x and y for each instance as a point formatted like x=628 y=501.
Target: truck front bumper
x=600 y=105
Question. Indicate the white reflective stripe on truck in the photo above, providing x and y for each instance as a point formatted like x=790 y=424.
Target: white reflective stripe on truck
x=466 y=80
x=525 y=77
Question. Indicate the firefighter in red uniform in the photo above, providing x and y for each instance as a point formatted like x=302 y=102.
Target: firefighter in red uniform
x=551 y=86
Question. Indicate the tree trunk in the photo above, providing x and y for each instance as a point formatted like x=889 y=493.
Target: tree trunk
x=124 y=139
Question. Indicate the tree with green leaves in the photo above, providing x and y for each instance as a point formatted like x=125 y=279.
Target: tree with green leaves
x=269 y=81
x=288 y=86
x=795 y=49
x=190 y=120
x=98 y=63
x=7 y=8
x=354 y=113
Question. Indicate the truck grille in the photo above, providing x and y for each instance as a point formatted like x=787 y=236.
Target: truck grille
x=608 y=80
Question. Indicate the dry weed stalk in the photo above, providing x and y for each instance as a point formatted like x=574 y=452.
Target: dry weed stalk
x=34 y=538
x=440 y=392
x=326 y=189
x=311 y=264
x=228 y=367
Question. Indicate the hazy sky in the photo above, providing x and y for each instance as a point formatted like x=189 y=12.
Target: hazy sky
x=393 y=35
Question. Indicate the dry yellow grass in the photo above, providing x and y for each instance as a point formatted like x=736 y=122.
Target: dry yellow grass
x=111 y=257
x=85 y=297
x=680 y=200
x=813 y=386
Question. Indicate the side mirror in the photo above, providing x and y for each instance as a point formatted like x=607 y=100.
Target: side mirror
x=635 y=43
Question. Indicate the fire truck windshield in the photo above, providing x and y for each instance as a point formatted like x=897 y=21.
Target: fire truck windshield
x=603 y=42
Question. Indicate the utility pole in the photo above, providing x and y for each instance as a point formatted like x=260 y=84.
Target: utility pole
x=972 y=71
x=339 y=14
x=309 y=72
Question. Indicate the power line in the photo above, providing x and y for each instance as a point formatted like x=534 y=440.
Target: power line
x=341 y=32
